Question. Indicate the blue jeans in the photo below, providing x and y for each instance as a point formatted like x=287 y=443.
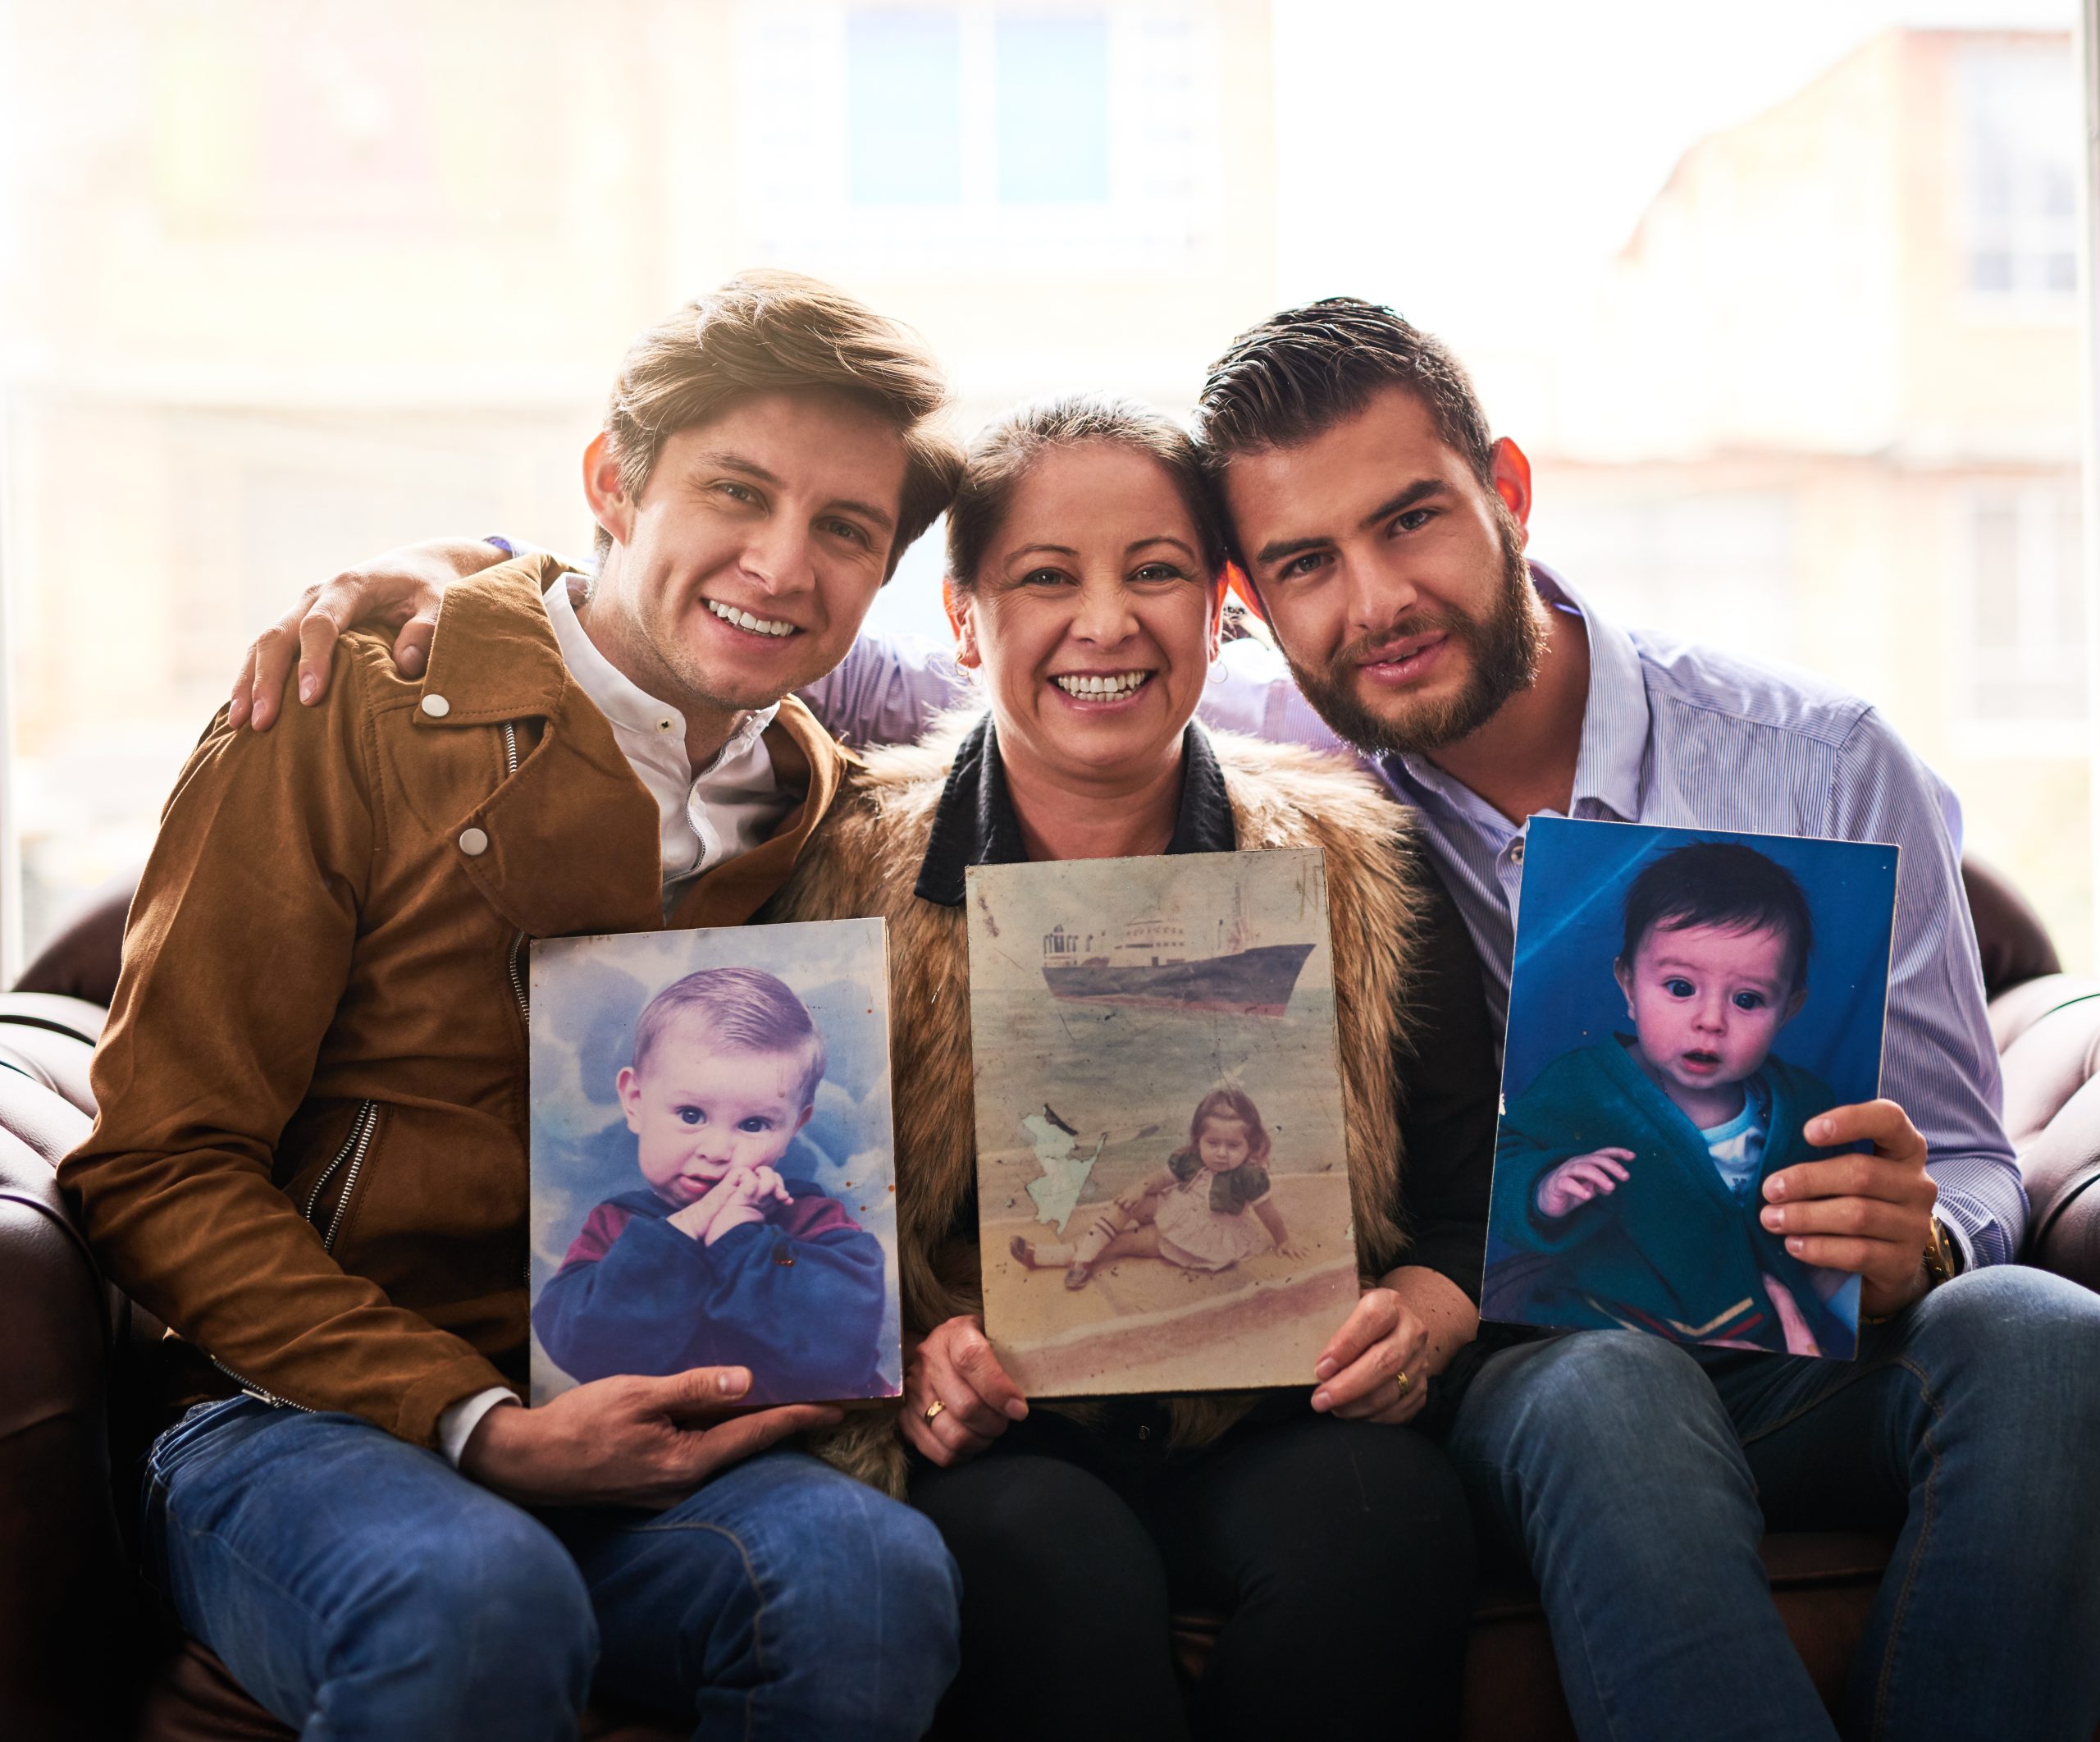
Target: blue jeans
x=359 y=1586
x=1636 y=1477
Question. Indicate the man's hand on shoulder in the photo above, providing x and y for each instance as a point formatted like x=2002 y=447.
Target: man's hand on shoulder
x=629 y=1442
x=397 y=590
x=1868 y=1214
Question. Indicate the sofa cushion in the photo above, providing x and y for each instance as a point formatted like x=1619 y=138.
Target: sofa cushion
x=35 y=1045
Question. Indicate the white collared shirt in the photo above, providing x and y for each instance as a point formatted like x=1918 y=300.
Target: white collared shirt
x=706 y=816
x=724 y=809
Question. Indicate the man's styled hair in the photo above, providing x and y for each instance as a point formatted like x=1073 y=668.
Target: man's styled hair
x=774 y=331
x=742 y=1010
x=1004 y=452
x=1304 y=370
x=1726 y=885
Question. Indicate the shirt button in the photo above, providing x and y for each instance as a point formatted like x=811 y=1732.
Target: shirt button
x=436 y=707
x=473 y=842
x=664 y=725
x=1516 y=852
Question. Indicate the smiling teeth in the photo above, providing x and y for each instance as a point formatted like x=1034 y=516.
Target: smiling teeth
x=1121 y=684
x=744 y=620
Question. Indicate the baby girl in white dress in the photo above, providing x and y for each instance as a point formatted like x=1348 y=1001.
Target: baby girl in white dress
x=1194 y=1211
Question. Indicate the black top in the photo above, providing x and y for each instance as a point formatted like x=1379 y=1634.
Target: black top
x=1447 y=1118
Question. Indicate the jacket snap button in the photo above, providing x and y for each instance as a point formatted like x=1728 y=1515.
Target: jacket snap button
x=473 y=842
x=436 y=707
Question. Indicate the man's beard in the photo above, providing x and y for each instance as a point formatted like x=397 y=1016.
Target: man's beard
x=1505 y=647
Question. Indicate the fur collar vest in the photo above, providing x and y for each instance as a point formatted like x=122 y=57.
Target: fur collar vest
x=866 y=860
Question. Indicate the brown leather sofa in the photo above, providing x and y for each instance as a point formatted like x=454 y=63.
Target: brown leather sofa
x=85 y=1653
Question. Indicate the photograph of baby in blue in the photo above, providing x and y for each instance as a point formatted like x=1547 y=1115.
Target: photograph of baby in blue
x=1682 y=1003
x=711 y=1166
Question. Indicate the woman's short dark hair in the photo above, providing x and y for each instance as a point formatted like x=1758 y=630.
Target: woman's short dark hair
x=1004 y=452
x=1726 y=885
x=1304 y=370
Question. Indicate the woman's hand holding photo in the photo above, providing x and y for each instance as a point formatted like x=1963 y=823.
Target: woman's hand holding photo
x=1373 y=1368
x=957 y=1398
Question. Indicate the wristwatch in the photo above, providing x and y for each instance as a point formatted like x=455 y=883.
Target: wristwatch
x=1942 y=1260
x=1942 y=1257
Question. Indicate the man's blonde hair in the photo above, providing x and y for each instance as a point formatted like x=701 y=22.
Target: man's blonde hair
x=774 y=332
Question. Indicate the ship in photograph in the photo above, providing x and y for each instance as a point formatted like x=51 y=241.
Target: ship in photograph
x=1150 y=966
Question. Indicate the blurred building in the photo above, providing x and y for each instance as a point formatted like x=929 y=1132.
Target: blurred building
x=1828 y=412
x=285 y=285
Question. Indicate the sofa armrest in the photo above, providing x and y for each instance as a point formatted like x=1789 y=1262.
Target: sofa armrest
x=2061 y=1167
x=69 y=1607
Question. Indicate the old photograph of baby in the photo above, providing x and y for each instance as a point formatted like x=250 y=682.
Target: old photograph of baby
x=1682 y=1003
x=712 y=1175
x=1162 y=1188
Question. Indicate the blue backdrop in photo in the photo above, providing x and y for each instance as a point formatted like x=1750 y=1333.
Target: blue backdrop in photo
x=1571 y=923
x=587 y=995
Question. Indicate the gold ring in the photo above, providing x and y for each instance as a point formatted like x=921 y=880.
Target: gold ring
x=1400 y=1380
x=931 y=1410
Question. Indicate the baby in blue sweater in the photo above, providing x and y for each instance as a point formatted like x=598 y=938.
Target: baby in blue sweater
x=1659 y=1228
x=724 y=1260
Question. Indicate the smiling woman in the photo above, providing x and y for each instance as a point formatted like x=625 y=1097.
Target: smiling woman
x=1085 y=564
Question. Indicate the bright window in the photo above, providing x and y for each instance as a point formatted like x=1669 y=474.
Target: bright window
x=2027 y=611
x=904 y=107
x=2020 y=133
x=1053 y=97
x=1786 y=318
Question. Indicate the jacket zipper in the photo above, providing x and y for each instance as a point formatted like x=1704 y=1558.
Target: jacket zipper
x=354 y=1145
x=249 y=1387
x=354 y=1148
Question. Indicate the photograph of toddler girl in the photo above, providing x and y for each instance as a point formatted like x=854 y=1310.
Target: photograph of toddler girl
x=1163 y=1168
x=1194 y=1212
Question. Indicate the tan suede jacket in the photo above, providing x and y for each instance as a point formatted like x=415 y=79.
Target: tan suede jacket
x=310 y=1160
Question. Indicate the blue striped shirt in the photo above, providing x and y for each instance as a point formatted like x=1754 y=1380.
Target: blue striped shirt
x=1685 y=736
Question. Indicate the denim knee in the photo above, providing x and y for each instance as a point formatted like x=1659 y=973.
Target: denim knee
x=1617 y=1396
x=877 y=1618
x=497 y=1614
x=1597 y=1424
x=2016 y=1348
x=921 y=1586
